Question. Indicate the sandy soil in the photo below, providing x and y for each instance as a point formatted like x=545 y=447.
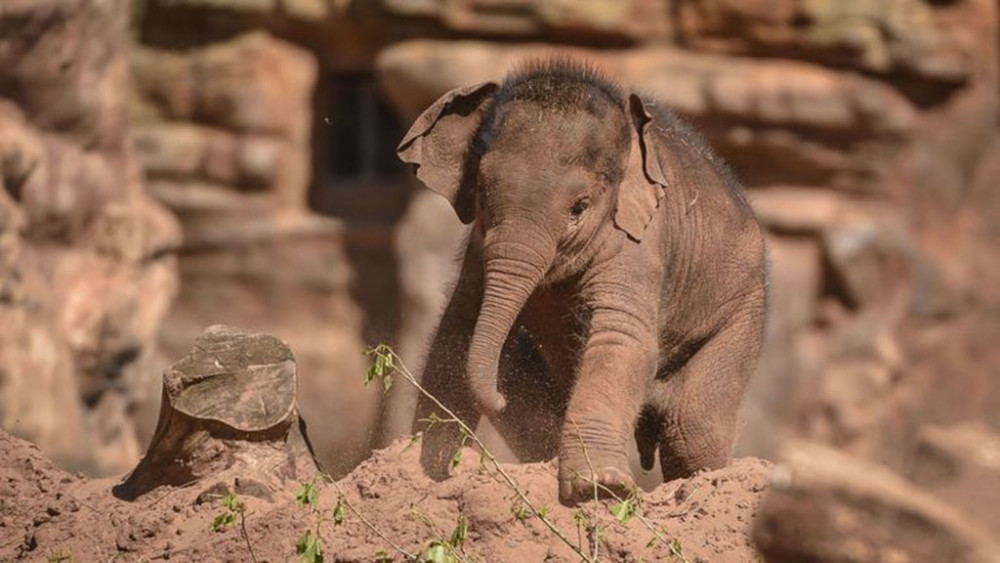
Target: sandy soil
x=49 y=515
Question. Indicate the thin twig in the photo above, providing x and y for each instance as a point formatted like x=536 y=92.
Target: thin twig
x=593 y=479
x=398 y=366
x=370 y=526
x=438 y=537
x=243 y=532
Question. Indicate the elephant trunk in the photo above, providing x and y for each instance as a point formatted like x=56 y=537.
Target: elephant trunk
x=513 y=271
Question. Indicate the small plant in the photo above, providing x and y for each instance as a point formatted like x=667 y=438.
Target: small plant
x=446 y=551
x=625 y=509
x=676 y=551
x=382 y=367
x=232 y=507
x=309 y=547
x=520 y=512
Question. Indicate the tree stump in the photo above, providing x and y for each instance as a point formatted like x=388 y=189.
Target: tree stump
x=228 y=407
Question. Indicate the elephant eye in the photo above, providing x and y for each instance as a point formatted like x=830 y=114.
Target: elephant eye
x=579 y=207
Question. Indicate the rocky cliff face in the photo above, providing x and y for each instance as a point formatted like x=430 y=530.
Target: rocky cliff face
x=866 y=133
x=87 y=263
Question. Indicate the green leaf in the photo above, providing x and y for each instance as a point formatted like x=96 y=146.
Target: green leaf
x=309 y=548
x=223 y=520
x=438 y=553
x=338 y=512
x=381 y=364
x=519 y=511
x=383 y=557
x=677 y=551
x=413 y=441
x=543 y=511
x=456 y=458
x=625 y=510
x=307 y=495
x=232 y=502
x=460 y=532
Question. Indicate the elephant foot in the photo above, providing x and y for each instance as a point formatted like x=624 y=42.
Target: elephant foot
x=592 y=455
x=612 y=482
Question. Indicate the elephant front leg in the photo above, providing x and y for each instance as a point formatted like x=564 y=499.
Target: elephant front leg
x=616 y=368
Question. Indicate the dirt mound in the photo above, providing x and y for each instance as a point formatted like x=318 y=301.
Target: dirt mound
x=47 y=514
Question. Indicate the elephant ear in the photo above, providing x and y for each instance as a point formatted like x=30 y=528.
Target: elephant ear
x=440 y=139
x=641 y=189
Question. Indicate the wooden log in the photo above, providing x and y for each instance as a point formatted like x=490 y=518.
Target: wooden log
x=228 y=408
x=827 y=506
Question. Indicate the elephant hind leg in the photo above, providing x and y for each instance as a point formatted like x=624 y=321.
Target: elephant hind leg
x=690 y=443
x=699 y=404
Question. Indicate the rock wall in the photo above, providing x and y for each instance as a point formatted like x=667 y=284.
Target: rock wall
x=865 y=131
x=87 y=263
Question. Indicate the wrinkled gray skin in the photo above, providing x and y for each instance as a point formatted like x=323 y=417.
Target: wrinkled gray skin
x=614 y=270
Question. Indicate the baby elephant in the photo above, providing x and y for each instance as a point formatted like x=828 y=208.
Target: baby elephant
x=614 y=270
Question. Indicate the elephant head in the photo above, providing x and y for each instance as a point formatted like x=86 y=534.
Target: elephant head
x=545 y=164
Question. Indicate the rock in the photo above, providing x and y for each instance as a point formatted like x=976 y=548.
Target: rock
x=961 y=464
x=859 y=396
x=254 y=83
x=810 y=125
x=87 y=258
x=824 y=505
x=236 y=114
x=853 y=406
x=590 y=19
x=228 y=408
x=795 y=209
x=869 y=258
x=921 y=38
x=414 y=74
x=63 y=63
x=39 y=398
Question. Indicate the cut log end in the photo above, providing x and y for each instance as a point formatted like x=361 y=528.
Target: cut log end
x=228 y=407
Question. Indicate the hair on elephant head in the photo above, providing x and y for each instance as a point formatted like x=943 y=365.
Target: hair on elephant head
x=543 y=163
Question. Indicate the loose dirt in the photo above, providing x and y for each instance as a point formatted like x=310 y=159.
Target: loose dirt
x=49 y=515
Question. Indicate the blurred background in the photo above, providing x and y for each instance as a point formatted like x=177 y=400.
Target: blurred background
x=171 y=164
